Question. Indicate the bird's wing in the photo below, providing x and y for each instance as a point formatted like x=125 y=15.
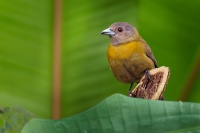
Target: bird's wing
x=149 y=54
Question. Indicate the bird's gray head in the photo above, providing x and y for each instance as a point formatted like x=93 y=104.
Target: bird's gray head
x=121 y=32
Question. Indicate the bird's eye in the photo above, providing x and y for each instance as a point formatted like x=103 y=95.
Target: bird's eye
x=120 y=29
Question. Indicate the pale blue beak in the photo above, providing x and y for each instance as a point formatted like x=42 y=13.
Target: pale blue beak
x=108 y=32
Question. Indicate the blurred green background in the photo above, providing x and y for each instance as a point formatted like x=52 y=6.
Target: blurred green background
x=171 y=28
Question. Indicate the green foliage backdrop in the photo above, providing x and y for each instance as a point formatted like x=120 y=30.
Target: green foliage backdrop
x=171 y=28
x=26 y=54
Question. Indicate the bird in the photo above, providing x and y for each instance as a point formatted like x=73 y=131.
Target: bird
x=129 y=56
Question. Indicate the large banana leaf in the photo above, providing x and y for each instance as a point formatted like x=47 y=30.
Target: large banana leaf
x=122 y=114
x=171 y=28
x=26 y=54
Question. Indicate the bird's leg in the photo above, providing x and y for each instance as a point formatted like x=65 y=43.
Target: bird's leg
x=129 y=91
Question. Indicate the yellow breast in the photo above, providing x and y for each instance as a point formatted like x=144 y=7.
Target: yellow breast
x=124 y=51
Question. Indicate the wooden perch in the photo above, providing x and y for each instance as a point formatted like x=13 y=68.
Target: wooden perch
x=154 y=87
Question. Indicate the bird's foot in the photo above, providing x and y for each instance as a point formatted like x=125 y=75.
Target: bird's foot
x=162 y=98
x=130 y=94
x=146 y=72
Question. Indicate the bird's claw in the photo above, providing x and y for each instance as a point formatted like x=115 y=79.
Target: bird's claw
x=146 y=72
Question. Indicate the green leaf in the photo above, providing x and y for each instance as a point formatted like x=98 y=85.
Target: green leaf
x=123 y=114
x=25 y=54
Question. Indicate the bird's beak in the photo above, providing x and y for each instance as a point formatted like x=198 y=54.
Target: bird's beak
x=108 y=32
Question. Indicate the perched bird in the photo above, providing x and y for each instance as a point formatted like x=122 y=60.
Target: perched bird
x=129 y=56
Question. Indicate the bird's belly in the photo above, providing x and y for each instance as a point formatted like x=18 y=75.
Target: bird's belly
x=130 y=70
x=122 y=74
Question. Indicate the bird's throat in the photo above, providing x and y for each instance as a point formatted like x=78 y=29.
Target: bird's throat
x=124 y=51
